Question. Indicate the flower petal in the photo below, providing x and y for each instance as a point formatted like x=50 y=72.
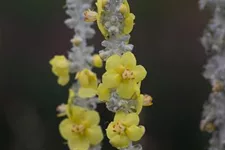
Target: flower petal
x=139 y=105
x=137 y=91
x=91 y=118
x=63 y=80
x=65 y=129
x=131 y=119
x=103 y=93
x=128 y=7
x=113 y=62
x=87 y=92
x=140 y=73
x=94 y=135
x=120 y=141
x=82 y=78
x=119 y=116
x=135 y=133
x=128 y=60
x=101 y=27
x=71 y=97
x=76 y=113
x=111 y=79
x=128 y=23
x=109 y=131
x=126 y=89
x=78 y=143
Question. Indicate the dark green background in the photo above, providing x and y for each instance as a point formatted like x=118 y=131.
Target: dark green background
x=166 y=38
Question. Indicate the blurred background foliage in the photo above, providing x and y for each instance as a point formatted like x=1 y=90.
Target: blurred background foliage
x=166 y=39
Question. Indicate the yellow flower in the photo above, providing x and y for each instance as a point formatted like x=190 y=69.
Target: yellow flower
x=124 y=129
x=60 y=67
x=123 y=74
x=88 y=83
x=81 y=129
x=97 y=61
x=90 y=16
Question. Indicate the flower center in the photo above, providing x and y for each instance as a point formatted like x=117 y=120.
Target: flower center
x=78 y=128
x=119 y=128
x=127 y=74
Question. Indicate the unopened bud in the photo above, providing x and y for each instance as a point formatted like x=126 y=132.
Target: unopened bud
x=90 y=16
x=218 y=87
x=123 y=9
x=97 y=61
x=147 y=100
x=76 y=41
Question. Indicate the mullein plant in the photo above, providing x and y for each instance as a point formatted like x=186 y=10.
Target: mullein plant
x=213 y=40
x=120 y=85
x=80 y=128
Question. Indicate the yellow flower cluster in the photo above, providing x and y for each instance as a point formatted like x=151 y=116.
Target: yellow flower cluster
x=81 y=129
x=122 y=78
x=60 y=67
x=122 y=74
x=86 y=78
